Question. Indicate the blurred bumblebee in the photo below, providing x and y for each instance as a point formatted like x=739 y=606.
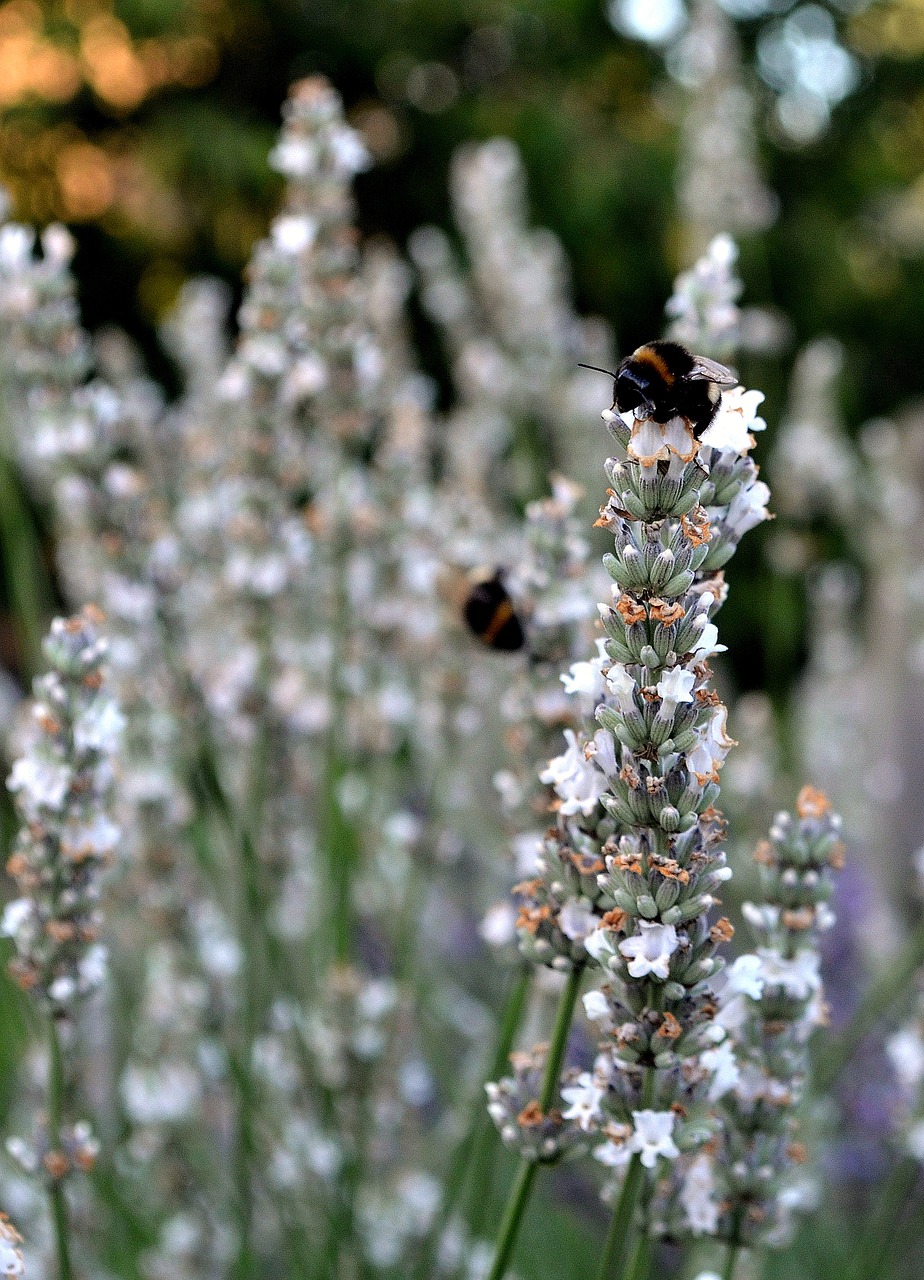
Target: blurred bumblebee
x=666 y=380
x=490 y=615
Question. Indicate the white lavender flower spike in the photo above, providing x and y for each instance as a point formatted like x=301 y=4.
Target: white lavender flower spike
x=769 y=1006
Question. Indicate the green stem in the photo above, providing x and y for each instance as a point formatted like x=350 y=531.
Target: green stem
x=559 y=1042
x=619 y=1236
x=519 y=1195
x=56 y=1087
x=484 y=1134
x=878 y=1238
x=731 y=1261
x=336 y=833
x=252 y=911
x=513 y=1214
x=641 y=1259
x=467 y=1164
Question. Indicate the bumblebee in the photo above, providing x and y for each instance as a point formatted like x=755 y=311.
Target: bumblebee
x=665 y=380
x=490 y=616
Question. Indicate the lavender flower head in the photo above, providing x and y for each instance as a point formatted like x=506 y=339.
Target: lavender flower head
x=62 y=787
x=627 y=875
x=746 y=1188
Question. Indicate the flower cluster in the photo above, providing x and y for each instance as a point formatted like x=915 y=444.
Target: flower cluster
x=553 y=583
x=46 y=353
x=62 y=788
x=703 y=309
x=628 y=875
x=509 y=327
x=769 y=1007
x=514 y=1107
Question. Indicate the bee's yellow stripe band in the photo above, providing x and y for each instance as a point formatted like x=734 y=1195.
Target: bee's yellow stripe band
x=657 y=362
x=502 y=615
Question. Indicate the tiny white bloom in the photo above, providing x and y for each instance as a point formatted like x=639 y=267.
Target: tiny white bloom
x=674 y=687
x=622 y=687
x=799 y=977
x=526 y=849
x=712 y=746
x=63 y=989
x=748 y=508
x=615 y=1155
x=98 y=835
x=734 y=1012
x=653 y=1136
x=735 y=420
x=905 y=1050
x=599 y=945
x=583 y=1098
x=349 y=152
x=265 y=353
x=604 y=752
x=825 y=918
x=498 y=925
x=708 y=643
x=100 y=728
x=651 y=441
x=163 y=1094
x=596 y=1006
x=306 y=377
x=577 y=919
x=745 y=977
x=58 y=245
x=16 y=244
x=293 y=233
x=15 y=914
x=698 y=1197
x=585 y=678
x=576 y=780
x=763 y=916
x=650 y=951
x=92 y=967
x=295 y=157
x=722 y=1063
x=40 y=782
x=11 y=1260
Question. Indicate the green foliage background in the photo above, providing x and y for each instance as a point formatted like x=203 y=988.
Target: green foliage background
x=596 y=117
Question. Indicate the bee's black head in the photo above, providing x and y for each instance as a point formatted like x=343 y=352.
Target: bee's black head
x=634 y=388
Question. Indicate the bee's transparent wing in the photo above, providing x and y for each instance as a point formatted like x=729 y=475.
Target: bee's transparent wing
x=706 y=370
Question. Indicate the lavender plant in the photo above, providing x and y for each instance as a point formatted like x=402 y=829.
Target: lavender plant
x=626 y=877
x=509 y=327
x=746 y=1187
x=62 y=786
x=310 y=828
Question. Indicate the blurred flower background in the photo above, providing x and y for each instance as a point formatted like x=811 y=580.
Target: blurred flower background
x=312 y=385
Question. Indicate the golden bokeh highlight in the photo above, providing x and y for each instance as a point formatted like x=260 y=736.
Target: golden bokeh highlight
x=94 y=50
x=86 y=181
x=50 y=54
